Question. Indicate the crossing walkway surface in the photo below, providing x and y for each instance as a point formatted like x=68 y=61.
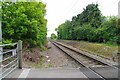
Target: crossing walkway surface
x=61 y=74
x=47 y=73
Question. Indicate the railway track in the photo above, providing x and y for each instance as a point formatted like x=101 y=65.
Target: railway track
x=91 y=67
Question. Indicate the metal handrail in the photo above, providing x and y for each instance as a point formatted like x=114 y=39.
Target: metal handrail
x=8 y=51
x=9 y=72
x=7 y=58
x=12 y=44
x=8 y=68
x=9 y=63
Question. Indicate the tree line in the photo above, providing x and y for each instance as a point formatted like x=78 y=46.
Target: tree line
x=90 y=25
x=24 y=21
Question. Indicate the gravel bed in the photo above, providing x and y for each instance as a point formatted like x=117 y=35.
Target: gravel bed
x=57 y=58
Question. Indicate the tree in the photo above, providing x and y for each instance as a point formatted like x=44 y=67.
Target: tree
x=24 y=21
x=53 y=36
x=90 y=25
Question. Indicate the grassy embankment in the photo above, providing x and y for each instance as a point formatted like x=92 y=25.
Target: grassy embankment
x=104 y=50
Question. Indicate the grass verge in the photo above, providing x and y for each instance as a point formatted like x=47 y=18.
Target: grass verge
x=104 y=50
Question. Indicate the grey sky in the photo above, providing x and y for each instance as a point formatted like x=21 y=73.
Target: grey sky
x=58 y=11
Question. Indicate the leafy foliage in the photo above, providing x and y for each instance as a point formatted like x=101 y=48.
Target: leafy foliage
x=91 y=26
x=24 y=21
x=53 y=36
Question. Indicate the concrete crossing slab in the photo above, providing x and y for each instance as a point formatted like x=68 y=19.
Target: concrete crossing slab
x=47 y=73
x=15 y=74
x=24 y=73
x=56 y=73
x=59 y=73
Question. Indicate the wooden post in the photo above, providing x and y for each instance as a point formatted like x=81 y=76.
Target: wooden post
x=19 y=54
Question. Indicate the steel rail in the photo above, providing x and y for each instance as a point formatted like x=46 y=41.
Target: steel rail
x=87 y=55
x=74 y=56
x=87 y=67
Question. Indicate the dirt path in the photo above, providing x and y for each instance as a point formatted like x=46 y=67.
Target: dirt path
x=57 y=58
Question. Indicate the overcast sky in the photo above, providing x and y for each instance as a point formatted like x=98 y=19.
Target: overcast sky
x=58 y=11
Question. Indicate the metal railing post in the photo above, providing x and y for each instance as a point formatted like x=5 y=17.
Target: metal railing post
x=1 y=49
x=19 y=54
x=1 y=58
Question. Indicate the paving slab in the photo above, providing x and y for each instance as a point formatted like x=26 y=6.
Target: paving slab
x=15 y=74
x=55 y=73
x=47 y=73
x=60 y=74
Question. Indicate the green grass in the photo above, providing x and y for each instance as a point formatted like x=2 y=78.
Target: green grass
x=100 y=49
x=105 y=50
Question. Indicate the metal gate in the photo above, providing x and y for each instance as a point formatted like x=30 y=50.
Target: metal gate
x=10 y=58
